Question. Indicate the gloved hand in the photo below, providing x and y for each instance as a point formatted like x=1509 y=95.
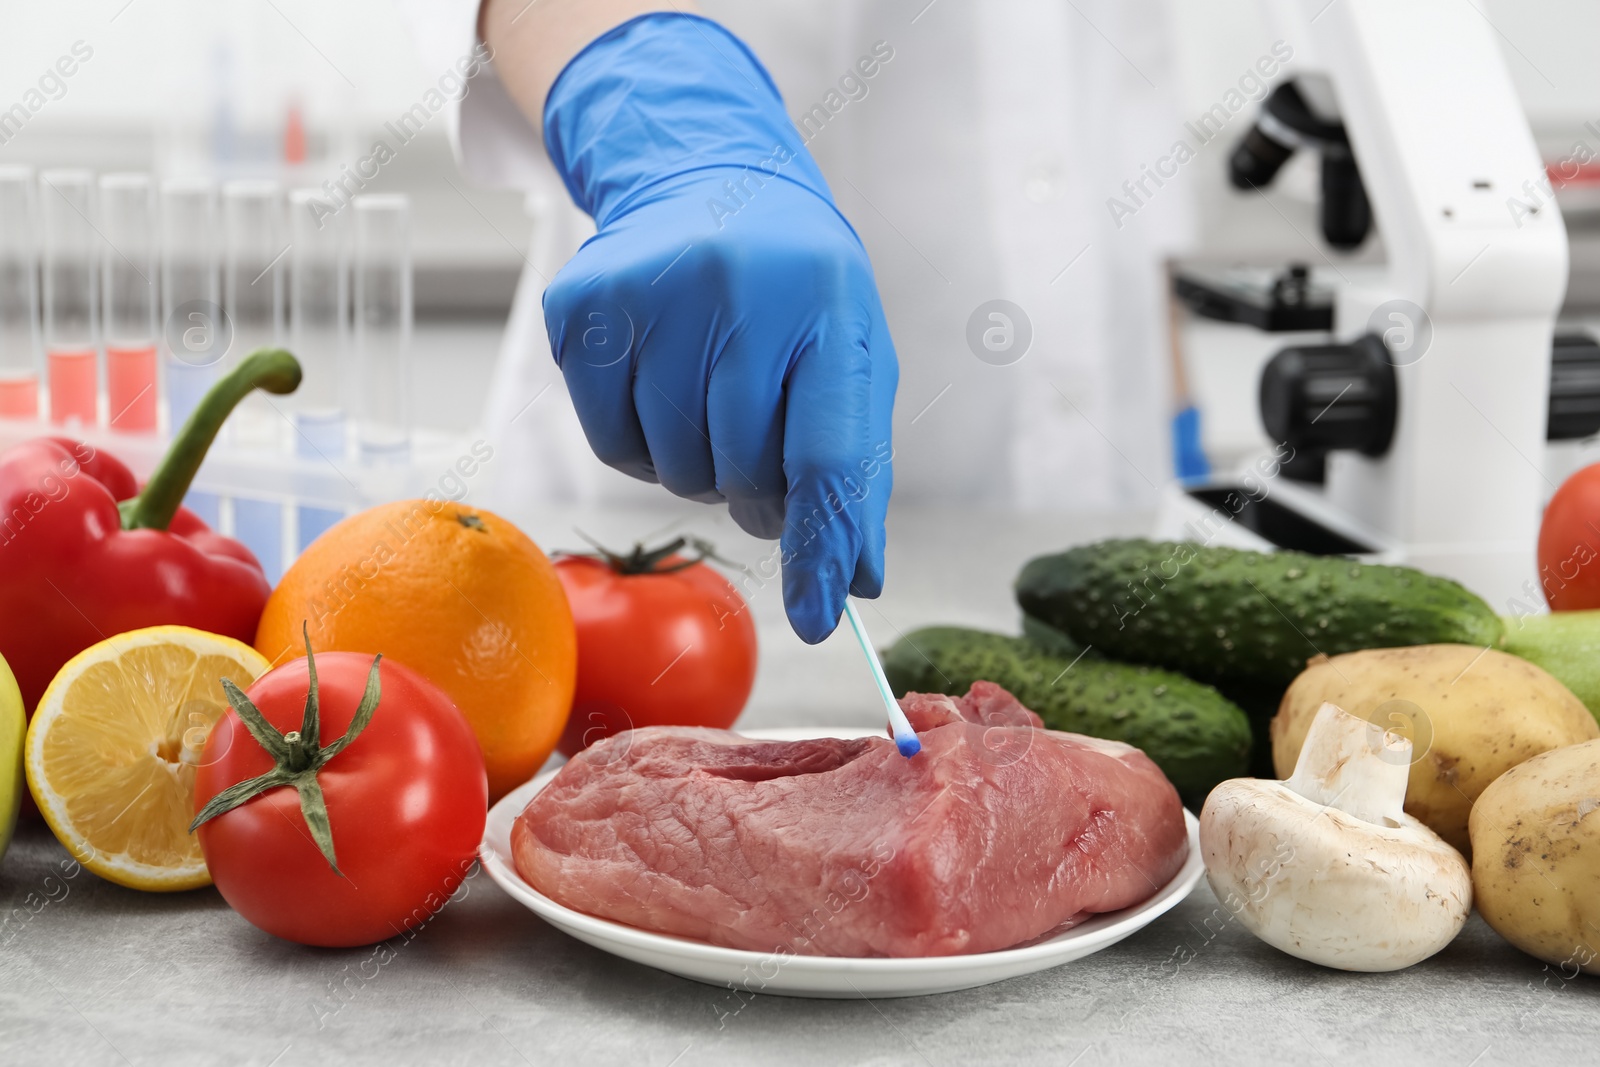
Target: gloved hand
x=722 y=333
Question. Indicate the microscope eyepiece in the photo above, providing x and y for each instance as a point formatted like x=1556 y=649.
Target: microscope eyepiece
x=1257 y=159
x=1286 y=123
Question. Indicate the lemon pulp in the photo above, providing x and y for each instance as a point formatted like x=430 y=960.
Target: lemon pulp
x=113 y=749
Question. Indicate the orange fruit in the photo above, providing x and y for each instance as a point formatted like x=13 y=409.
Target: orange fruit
x=458 y=594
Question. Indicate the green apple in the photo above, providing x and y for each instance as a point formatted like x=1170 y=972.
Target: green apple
x=13 y=727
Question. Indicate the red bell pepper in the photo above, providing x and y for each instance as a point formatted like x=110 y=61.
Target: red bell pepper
x=85 y=555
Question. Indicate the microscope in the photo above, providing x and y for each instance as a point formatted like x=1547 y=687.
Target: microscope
x=1416 y=432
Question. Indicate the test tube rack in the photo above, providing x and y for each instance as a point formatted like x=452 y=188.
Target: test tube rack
x=442 y=466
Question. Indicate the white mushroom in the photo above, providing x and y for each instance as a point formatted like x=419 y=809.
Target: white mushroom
x=1327 y=866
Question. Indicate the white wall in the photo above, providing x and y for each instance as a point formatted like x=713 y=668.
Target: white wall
x=157 y=61
x=152 y=91
x=1549 y=47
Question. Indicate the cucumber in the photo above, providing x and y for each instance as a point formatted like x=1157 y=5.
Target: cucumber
x=1564 y=643
x=1240 y=619
x=1258 y=702
x=1049 y=639
x=1192 y=733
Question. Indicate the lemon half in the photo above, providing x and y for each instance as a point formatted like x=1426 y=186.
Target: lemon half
x=112 y=750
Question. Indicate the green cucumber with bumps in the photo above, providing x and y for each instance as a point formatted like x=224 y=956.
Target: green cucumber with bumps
x=1049 y=638
x=1195 y=735
x=1233 y=617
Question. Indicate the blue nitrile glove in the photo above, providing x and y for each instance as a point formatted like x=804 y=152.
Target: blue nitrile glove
x=722 y=333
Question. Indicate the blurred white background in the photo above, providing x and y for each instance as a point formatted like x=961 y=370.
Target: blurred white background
x=209 y=86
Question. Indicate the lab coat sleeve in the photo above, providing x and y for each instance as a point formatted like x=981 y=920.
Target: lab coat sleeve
x=495 y=145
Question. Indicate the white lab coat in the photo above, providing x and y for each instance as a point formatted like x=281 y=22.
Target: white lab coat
x=978 y=165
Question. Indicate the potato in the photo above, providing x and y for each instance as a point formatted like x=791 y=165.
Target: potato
x=1471 y=714
x=1533 y=881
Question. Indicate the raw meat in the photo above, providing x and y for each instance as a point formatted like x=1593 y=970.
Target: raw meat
x=998 y=833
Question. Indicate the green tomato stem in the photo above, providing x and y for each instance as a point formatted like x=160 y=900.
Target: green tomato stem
x=298 y=755
x=658 y=560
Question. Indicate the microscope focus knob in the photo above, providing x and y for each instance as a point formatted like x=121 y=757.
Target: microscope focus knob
x=1316 y=398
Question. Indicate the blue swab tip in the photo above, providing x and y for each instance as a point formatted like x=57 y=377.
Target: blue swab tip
x=908 y=745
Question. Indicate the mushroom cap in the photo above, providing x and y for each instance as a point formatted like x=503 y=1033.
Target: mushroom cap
x=1327 y=886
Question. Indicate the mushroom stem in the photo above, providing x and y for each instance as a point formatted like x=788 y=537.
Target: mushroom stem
x=1353 y=765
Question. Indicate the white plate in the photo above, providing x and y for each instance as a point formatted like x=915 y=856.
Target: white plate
x=818 y=976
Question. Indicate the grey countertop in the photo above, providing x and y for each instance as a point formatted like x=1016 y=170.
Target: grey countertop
x=94 y=974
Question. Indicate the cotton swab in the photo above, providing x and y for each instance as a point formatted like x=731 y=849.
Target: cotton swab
x=905 y=738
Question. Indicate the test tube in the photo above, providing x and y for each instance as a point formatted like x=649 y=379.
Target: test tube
x=252 y=293
x=319 y=301
x=19 y=297
x=70 y=255
x=383 y=327
x=128 y=282
x=194 y=330
x=252 y=277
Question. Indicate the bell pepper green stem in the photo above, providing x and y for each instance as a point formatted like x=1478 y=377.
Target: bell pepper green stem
x=272 y=369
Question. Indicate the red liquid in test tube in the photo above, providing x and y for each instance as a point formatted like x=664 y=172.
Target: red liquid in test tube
x=19 y=397
x=127 y=221
x=70 y=247
x=131 y=388
x=19 y=295
x=74 y=385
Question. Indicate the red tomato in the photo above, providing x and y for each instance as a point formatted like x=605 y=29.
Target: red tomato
x=668 y=645
x=1569 y=543
x=406 y=803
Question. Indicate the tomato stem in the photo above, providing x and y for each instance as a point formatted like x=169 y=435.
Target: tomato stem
x=658 y=560
x=298 y=754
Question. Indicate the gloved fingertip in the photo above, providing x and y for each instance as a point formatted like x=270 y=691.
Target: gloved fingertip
x=758 y=518
x=643 y=470
x=867 y=583
x=814 y=600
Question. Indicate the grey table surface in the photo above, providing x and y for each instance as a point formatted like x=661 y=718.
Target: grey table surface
x=91 y=973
